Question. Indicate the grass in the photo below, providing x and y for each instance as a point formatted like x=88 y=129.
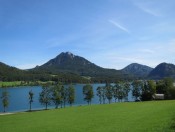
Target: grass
x=22 y=83
x=154 y=116
x=10 y=84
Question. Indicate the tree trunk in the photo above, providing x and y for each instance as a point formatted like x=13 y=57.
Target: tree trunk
x=46 y=106
x=30 y=106
x=4 y=109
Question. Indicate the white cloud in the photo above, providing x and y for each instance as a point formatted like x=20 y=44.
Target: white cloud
x=147 y=51
x=148 y=8
x=119 y=26
x=26 y=66
x=149 y=11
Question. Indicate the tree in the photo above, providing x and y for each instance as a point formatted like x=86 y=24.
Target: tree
x=170 y=88
x=148 y=90
x=88 y=93
x=100 y=93
x=137 y=89
x=31 y=94
x=127 y=86
x=5 y=100
x=103 y=94
x=45 y=96
x=71 y=94
x=109 y=92
x=160 y=87
x=63 y=96
x=121 y=90
x=56 y=95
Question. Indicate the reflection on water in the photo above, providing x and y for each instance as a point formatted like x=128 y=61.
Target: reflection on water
x=18 y=100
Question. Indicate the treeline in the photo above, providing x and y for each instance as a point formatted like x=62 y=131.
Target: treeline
x=60 y=95
x=8 y=74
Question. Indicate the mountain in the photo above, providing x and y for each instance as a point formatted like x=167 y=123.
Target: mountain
x=67 y=62
x=163 y=70
x=137 y=70
x=8 y=73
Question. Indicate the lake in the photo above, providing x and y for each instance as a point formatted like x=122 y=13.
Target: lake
x=18 y=100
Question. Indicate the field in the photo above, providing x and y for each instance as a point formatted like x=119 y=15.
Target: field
x=22 y=83
x=10 y=84
x=154 y=116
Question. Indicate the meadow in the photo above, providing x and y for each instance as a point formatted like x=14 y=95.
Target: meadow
x=152 y=116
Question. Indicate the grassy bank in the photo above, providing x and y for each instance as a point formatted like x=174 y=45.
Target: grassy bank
x=120 y=117
x=22 y=83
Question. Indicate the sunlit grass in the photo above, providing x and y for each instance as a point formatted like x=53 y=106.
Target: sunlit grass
x=120 y=117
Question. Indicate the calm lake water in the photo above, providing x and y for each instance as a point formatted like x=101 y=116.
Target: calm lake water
x=18 y=100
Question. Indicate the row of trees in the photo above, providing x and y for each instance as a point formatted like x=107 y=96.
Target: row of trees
x=57 y=94
x=60 y=95
x=141 y=90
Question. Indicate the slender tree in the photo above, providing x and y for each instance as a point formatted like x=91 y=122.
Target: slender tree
x=63 y=96
x=31 y=94
x=71 y=94
x=45 y=96
x=100 y=93
x=88 y=93
x=109 y=92
x=127 y=86
x=5 y=100
x=104 y=94
x=56 y=95
x=115 y=92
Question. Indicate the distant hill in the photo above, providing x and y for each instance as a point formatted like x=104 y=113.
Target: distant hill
x=8 y=73
x=68 y=62
x=163 y=70
x=67 y=67
x=137 y=70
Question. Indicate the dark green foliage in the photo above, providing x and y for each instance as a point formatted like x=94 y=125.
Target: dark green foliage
x=71 y=94
x=31 y=94
x=137 y=89
x=166 y=87
x=56 y=95
x=8 y=73
x=170 y=88
x=100 y=94
x=148 y=90
x=109 y=92
x=45 y=97
x=88 y=93
x=63 y=95
x=5 y=100
x=121 y=90
x=160 y=87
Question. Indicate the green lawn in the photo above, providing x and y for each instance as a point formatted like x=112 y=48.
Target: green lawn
x=120 y=117
x=10 y=84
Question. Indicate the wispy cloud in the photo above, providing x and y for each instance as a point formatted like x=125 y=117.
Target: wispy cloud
x=149 y=11
x=148 y=8
x=147 y=51
x=119 y=26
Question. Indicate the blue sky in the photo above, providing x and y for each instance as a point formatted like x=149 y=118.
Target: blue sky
x=109 y=33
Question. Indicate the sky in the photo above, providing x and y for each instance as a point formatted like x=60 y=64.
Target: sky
x=109 y=33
